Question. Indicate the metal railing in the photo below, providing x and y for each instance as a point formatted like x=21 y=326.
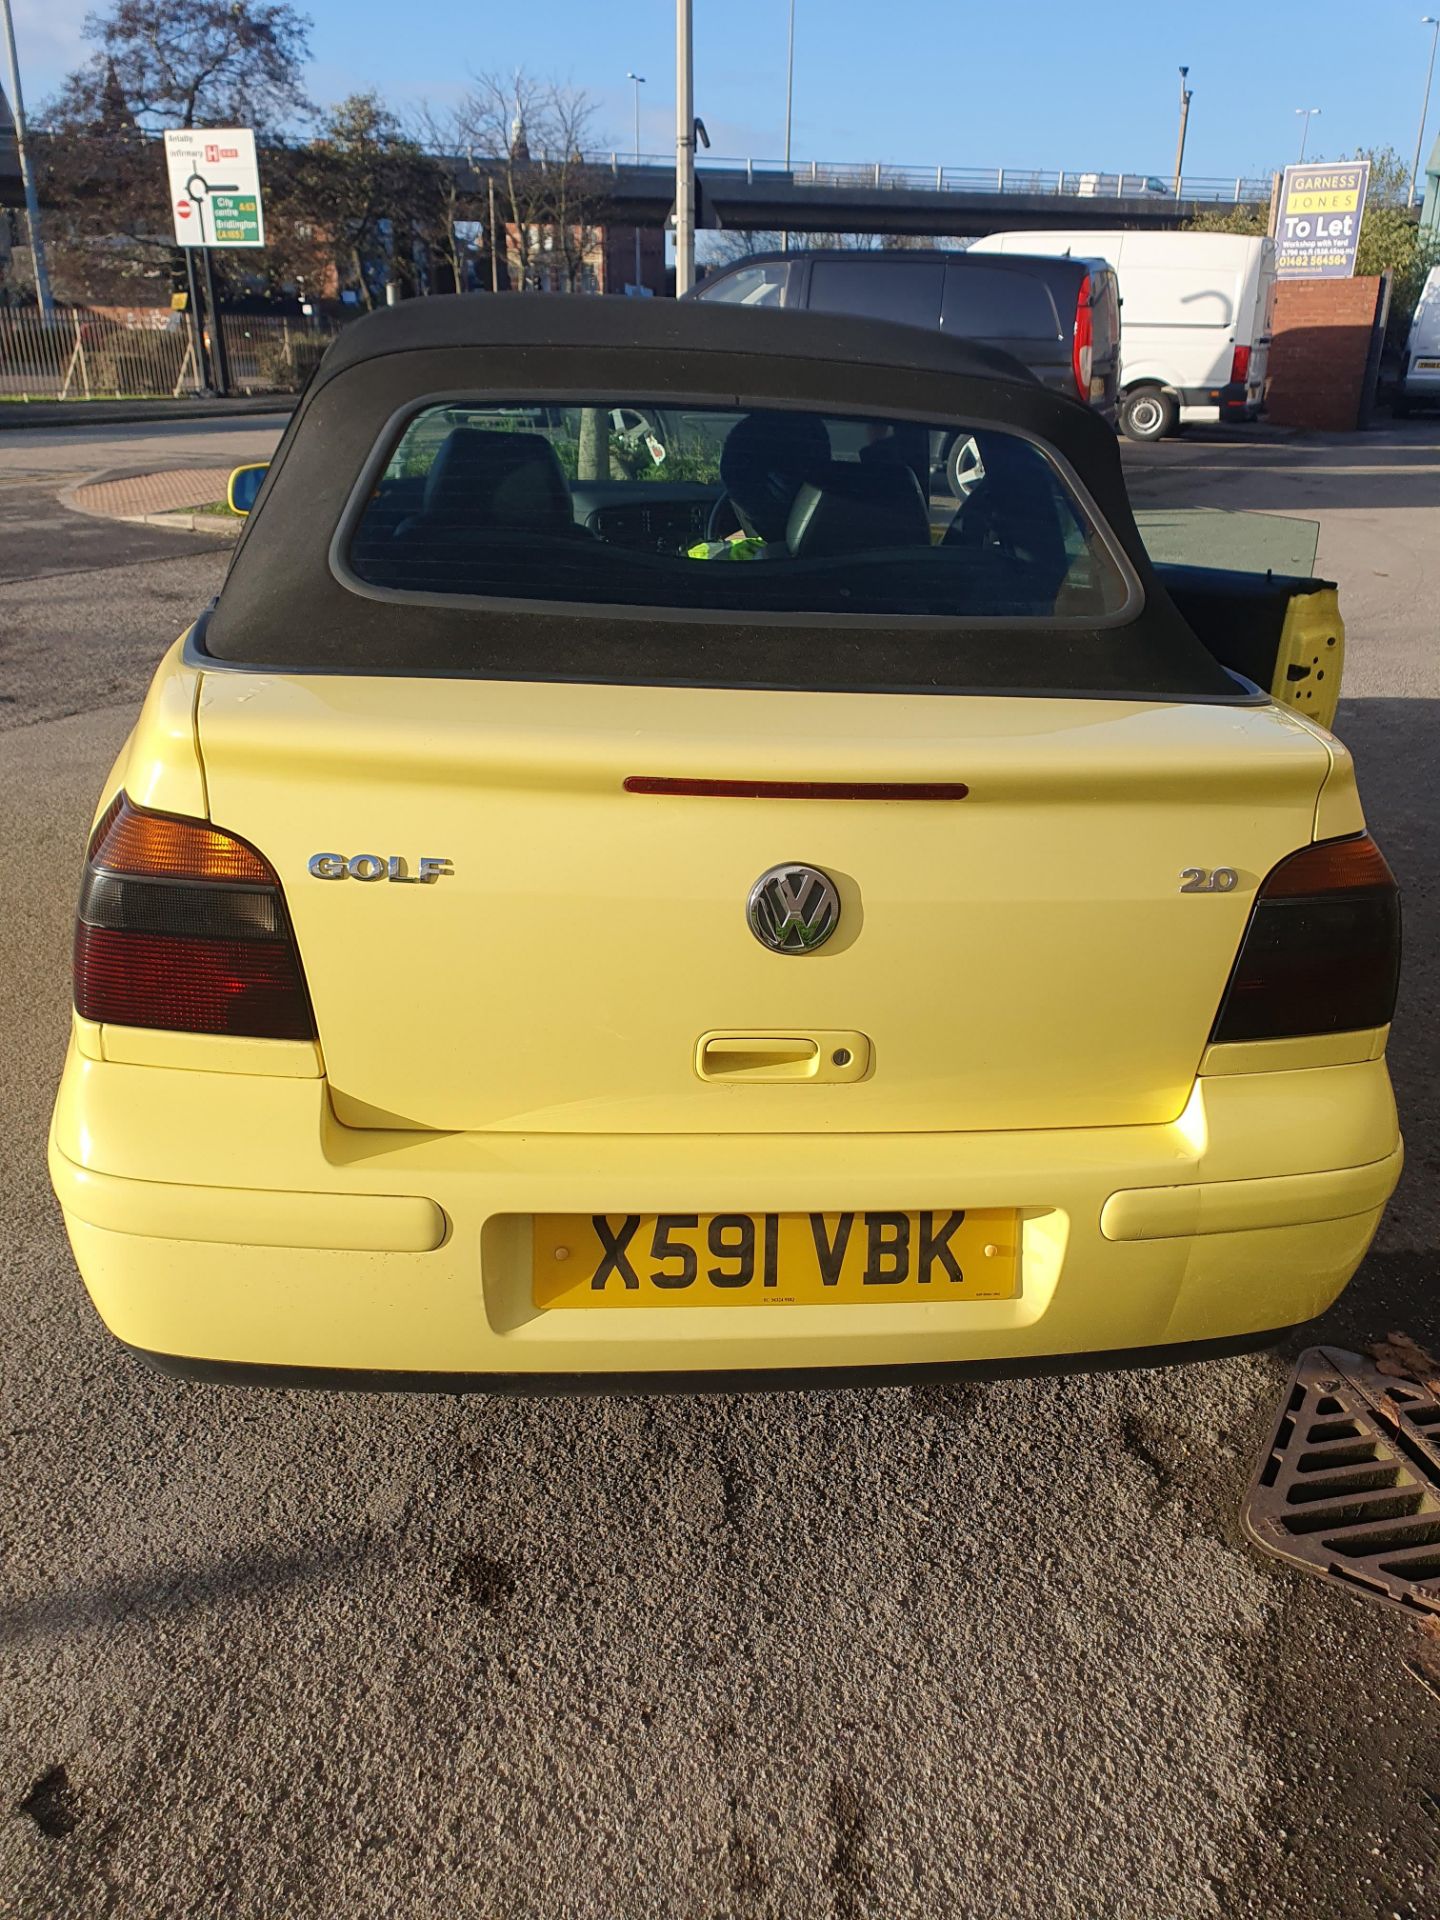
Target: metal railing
x=271 y=353
x=1078 y=184
x=85 y=353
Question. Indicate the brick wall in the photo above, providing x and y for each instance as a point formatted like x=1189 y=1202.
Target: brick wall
x=1320 y=343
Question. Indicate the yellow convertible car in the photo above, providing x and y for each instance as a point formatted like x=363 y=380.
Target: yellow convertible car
x=641 y=878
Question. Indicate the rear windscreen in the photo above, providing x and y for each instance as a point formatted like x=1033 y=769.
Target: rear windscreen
x=700 y=509
x=999 y=303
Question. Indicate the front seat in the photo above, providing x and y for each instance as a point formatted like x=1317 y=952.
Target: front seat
x=765 y=458
x=854 y=509
x=497 y=483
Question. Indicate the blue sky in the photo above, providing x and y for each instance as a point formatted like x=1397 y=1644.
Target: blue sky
x=918 y=82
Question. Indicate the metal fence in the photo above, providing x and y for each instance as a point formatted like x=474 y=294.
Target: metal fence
x=86 y=353
x=270 y=353
x=1079 y=184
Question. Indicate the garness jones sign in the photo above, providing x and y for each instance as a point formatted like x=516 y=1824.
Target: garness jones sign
x=1318 y=227
x=215 y=187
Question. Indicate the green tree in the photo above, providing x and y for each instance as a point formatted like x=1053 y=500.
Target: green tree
x=1390 y=237
x=157 y=64
x=362 y=199
x=1248 y=217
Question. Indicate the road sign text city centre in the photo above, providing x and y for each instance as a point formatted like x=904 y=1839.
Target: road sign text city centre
x=215 y=187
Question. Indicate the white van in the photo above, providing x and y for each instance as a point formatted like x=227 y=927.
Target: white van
x=1194 y=319
x=1420 y=383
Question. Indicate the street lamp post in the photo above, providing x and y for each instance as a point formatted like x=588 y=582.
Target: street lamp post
x=684 y=147
x=1308 y=114
x=639 y=80
x=1186 y=96
x=789 y=107
x=1426 y=20
x=27 y=177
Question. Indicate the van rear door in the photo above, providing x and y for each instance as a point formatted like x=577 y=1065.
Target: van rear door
x=1253 y=321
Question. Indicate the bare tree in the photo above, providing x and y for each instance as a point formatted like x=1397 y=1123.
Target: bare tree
x=185 y=63
x=441 y=134
x=363 y=196
x=531 y=137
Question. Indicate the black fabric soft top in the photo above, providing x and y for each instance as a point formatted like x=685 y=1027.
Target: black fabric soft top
x=663 y=326
x=286 y=606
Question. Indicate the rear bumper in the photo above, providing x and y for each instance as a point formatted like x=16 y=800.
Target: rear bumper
x=1232 y=399
x=226 y=1221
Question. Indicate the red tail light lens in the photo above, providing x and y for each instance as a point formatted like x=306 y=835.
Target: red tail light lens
x=1082 y=352
x=1322 y=951
x=184 y=927
x=1240 y=366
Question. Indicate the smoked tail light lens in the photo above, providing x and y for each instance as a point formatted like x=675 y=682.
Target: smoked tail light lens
x=1082 y=352
x=1239 y=366
x=184 y=927
x=1322 y=951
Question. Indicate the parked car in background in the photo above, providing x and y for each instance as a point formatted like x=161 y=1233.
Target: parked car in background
x=1419 y=383
x=1195 y=319
x=1059 y=317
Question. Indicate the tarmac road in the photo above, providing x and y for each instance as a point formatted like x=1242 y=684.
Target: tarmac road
x=990 y=1650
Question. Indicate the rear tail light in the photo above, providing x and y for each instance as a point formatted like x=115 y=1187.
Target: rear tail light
x=184 y=927
x=1322 y=951
x=1082 y=353
x=1239 y=366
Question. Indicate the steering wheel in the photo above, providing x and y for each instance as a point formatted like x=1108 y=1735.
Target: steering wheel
x=631 y=425
x=723 y=520
x=977 y=525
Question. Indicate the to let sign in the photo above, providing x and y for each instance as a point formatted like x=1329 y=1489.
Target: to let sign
x=1318 y=228
x=215 y=187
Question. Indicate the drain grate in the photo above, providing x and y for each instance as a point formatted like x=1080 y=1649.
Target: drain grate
x=1350 y=1484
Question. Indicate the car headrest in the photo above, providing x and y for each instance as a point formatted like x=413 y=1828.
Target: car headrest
x=765 y=458
x=854 y=508
x=503 y=481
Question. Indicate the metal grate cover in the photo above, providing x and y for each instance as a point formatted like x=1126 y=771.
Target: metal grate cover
x=1350 y=1484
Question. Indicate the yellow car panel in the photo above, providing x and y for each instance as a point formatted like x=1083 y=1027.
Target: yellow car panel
x=1311 y=655
x=467 y=1307
x=970 y=932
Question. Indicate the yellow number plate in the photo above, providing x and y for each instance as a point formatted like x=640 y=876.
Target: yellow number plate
x=772 y=1259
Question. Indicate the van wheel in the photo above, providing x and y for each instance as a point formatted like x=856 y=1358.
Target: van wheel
x=1149 y=413
x=1399 y=405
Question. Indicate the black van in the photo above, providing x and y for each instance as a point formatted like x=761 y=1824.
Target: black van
x=1059 y=316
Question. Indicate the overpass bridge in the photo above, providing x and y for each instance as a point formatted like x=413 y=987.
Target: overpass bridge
x=870 y=197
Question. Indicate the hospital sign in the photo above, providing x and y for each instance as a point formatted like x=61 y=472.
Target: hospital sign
x=215 y=187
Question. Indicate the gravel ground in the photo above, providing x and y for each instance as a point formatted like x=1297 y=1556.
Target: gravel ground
x=906 y=1653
